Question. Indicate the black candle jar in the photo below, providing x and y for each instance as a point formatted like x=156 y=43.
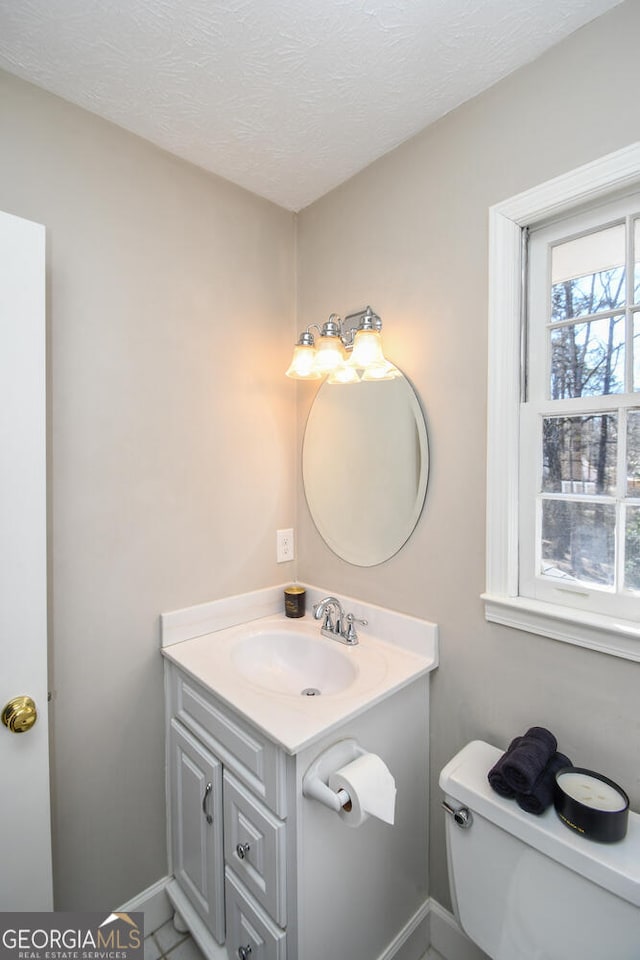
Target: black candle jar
x=592 y=805
x=294 y=601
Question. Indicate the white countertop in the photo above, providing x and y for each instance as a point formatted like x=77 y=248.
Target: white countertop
x=292 y=720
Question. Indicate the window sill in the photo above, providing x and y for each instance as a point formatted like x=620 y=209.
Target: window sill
x=610 y=635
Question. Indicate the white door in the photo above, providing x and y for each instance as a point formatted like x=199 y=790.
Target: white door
x=25 y=830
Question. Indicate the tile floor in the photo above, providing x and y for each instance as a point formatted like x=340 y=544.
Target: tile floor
x=167 y=944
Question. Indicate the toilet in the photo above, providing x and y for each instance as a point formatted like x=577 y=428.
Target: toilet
x=526 y=887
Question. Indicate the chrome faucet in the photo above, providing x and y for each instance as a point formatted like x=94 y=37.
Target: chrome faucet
x=336 y=624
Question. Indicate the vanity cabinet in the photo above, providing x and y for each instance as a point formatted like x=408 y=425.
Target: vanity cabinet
x=262 y=872
x=227 y=826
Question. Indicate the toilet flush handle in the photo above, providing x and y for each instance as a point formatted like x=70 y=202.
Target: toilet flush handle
x=462 y=816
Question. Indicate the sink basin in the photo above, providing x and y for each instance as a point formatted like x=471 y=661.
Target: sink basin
x=294 y=663
x=260 y=667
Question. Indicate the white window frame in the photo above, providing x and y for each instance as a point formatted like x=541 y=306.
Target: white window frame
x=592 y=182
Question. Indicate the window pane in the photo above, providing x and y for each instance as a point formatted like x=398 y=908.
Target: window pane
x=633 y=453
x=588 y=274
x=579 y=454
x=587 y=359
x=578 y=541
x=636 y=247
x=632 y=549
x=636 y=351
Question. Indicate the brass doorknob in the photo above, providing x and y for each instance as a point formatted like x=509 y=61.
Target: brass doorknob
x=20 y=714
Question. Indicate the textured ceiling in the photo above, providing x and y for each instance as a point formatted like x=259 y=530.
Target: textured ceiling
x=285 y=97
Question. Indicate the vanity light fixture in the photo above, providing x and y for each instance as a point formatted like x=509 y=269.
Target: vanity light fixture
x=343 y=353
x=302 y=365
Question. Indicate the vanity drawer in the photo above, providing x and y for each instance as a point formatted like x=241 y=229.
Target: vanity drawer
x=248 y=927
x=256 y=761
x=255 y=847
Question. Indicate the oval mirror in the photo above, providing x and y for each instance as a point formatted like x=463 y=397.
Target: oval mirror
x=365 y=465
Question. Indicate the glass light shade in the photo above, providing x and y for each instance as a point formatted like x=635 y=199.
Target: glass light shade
x=367 y=349
x=302 y=366
x=330 y=353
x=381 y=371
x=344 y=374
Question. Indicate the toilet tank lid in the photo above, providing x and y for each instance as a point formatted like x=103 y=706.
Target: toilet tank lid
x=614 y=866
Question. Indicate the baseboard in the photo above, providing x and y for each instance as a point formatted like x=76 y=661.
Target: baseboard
x=448 y=938
x=412 y=941
x=154 y=903
x=194 y=923
x=441 y=929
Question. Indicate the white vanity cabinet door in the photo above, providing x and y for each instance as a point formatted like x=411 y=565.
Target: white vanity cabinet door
x=197 y=830
x=251 y=934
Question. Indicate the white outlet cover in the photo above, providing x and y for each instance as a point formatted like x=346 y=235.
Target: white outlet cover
x=285 y=547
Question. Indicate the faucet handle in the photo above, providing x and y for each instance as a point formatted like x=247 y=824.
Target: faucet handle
x=326 y=608
x=353 y=619
x=327 y=623
x=351 y=636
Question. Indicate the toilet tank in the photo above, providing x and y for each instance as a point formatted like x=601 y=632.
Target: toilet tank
x=526 y=887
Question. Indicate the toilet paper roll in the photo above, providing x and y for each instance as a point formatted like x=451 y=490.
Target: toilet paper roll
x=371 y=789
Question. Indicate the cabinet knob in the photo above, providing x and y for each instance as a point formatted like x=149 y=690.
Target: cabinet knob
x=244 y=952
x=242 y=849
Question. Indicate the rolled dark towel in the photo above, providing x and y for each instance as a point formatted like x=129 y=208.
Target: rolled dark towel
x=544 y=735
x=524 y=764
x=495 y=775
x=541 y=796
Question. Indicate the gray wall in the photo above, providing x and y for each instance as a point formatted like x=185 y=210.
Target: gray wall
x=172 y=463
x=172 y=457
x=409 y=236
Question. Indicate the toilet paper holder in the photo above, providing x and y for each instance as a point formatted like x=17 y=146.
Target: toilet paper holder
x=315 y=783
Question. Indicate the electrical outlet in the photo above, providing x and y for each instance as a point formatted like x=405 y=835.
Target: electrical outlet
x=284 y=546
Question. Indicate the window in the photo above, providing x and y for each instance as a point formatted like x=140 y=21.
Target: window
x=563 y=504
